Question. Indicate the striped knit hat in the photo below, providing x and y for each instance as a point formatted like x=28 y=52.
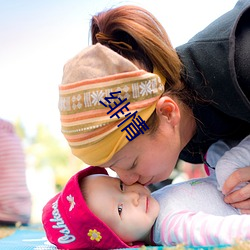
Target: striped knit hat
x=104 y=102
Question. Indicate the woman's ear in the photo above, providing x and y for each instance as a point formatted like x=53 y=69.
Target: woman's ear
x=168 y=109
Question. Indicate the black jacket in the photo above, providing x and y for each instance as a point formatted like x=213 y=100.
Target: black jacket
x=217 y=66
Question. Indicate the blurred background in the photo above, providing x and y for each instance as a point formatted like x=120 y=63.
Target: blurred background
x=36 y=39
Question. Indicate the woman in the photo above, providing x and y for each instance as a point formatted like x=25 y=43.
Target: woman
x=205 y=97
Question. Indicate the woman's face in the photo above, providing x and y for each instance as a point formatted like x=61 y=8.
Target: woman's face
x=148 y=158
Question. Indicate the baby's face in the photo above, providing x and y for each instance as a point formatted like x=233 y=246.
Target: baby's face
x=130 y=211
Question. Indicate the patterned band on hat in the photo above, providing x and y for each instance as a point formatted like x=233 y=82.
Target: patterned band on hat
x=85 y=120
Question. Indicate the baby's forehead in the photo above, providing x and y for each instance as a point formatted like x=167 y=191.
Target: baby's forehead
x=91 y=182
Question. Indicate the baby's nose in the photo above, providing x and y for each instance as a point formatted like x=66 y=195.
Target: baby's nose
x=133 y=197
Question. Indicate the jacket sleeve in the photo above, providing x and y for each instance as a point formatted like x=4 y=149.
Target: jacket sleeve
x=201 y=229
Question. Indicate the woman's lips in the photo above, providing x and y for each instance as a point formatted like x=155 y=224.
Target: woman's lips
x=148 y=182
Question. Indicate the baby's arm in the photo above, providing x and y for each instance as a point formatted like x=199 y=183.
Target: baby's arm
x=201 y=229
x=214 y=153
x=237 y=157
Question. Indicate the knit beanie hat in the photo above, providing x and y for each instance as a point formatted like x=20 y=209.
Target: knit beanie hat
x=104 y=102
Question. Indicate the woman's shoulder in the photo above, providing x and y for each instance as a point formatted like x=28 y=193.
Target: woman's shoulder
x=209 y=65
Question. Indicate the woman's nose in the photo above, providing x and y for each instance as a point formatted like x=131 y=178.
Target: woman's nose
x=126 y=177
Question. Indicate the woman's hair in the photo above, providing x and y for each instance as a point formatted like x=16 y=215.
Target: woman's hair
x=137 y=35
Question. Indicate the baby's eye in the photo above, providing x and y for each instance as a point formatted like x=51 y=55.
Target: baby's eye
x=121 y=186
x=120 y=206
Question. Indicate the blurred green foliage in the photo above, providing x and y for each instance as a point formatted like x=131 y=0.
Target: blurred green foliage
x=45 y=150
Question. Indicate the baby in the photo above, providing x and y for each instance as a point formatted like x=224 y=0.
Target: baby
x=96 y=211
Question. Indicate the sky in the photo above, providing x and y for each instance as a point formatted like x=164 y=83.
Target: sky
x=38 y=37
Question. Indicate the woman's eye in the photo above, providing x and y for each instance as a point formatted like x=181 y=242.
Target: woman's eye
x=121 y=186
x=120 y=206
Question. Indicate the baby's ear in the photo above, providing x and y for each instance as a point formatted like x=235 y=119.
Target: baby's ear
x=168 y=109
